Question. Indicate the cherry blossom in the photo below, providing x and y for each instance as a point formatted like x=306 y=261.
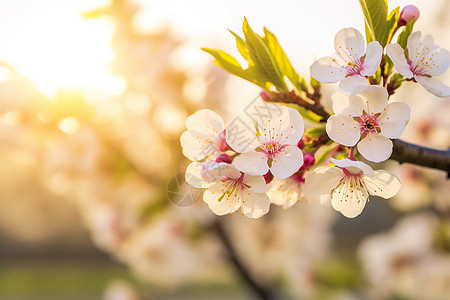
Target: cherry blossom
x=348 y=185
x=228 y=189
x=205 y=136
x=368 y=117
x=352 y=62
x=288 y=191
x=422 y=60
x=273 y=146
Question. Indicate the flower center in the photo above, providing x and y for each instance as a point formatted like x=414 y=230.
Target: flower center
x=368 y=124
x=271 y=148
x=354 y=68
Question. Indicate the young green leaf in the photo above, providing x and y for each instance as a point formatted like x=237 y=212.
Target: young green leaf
x=376 y=19
x=402 y=39
x=241 y=46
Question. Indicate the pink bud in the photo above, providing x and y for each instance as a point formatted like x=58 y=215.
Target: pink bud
x=264 y=95
x=268 y=177
x=408 y=12
x=225 y=158
x=308 y=160
x=300 y=144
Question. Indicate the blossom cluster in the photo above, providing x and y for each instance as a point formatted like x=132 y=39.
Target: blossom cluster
x=248 y=165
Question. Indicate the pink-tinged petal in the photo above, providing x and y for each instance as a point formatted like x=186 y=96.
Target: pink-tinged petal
x=354 y=167
x=327 y=70
x=394 y=119
x=241 y=136
x=383 y=184
x=195 y=146
x=343 y=129
x=287 y=162
x=376 y=148
x=256 y=183
x=374 y=53
x=219 y=202
x=397 y=54
x=205 y=120
x=255 y=205
x=413 y=44
x=213 y=171
x=438 y=62
x=349 y=84
x=193 y=176
x=347 y=105
x=320 y=182
x=292 y=128
x=349 y=198
x=374 y=98
x=351 y=42
x=253 y=163
x=434 y=86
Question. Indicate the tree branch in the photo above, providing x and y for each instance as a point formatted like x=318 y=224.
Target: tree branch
x=261 y=291
x=427 y=157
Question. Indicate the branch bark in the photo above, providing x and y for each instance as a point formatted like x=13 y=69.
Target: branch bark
x=261 y=291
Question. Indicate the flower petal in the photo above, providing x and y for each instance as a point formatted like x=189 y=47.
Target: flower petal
x=193 y=176
x=205 y=120
x=350 y=83
x=213 y=171
x=434 y=86
x=376 y=148
x=343 y=129
x=374 y=98
x=327 y=70
x=374 y=52
x=219 y=202
x=353 y=166
x=253 y=163
x=287 y=162
x=255 y=205
x=256 y=183
x=293 y=128
x=349 y=198
x=413 y=44
x=197 y=146
x=394 y=119
x=383 y=184
x=320 y=182
x=350 y=41
x=397 y=54
x=347 y=105
x=241 y=136
x=440 y=62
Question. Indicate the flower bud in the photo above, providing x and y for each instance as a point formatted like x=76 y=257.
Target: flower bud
x=264 y=95
x=408 y=12
x=308 y=160
x=300 y=144
x=268 y=177
x=225 y=158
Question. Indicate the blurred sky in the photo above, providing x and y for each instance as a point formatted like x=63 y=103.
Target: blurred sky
x=48 y=41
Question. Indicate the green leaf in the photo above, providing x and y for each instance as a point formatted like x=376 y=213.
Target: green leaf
x=242 y=46
x=402 y=39
x=230 y=64
x=262 y=58
x=306 y=114
x=281 y=59
x=378 y=26
x=392 y=22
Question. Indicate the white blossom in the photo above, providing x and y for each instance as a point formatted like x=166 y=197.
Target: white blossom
x=286 y=192
x=351 y=63
x=368 y=117
x=273 y=147
x=349 y=185
x=422 y=60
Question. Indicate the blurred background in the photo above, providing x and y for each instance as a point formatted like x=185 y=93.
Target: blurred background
x=93 y=99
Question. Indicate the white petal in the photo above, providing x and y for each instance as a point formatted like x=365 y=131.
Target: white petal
x=397 y=54
x=253 y=163
x=383 y=184
x=394 y=119
x=197 y=146
x=374 y=52
x=320 y=182
x=205 y=120
x=350 y=41
x=241 y=136
x=256 y=183
x=287 y=162
x=286 y=192
x=353 y=166
x=219 y=202
x=349 y=198
x=350 y=83
x=413 y=44
x=374 y=98
x=440 y=62
x=327 y=70
x=293 y=128
x=213 y=171
x=347 y=105
x=343 y=129
x=193 y=176
x=434 y=86
x=376 y=148
x=255 y=205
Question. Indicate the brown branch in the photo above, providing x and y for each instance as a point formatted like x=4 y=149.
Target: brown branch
x=422 y=156
x=261 y=291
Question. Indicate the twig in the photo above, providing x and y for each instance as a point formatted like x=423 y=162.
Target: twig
x=261 y=291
